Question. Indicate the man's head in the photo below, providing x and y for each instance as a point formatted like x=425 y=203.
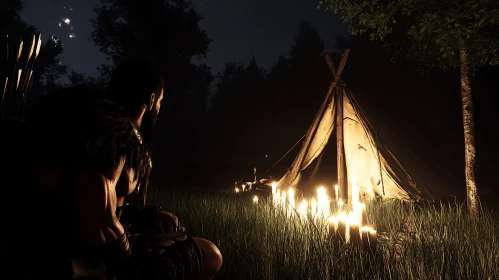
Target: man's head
x=139 y=89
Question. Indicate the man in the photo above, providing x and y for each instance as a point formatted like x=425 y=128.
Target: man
x=139 y=89
x=85 y=159
x=78 y=147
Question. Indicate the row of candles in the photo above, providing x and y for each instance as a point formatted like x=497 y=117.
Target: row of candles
x=346 y=227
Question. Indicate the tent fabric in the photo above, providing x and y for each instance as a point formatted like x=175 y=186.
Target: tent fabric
x=370 y=160
x=365 y=159
x=322 y=135
x=402 y=155
x=315 y=141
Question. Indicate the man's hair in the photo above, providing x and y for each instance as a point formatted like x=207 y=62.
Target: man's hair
x=77 y=128
x=132 y=83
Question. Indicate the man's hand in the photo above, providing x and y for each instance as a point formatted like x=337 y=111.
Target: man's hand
x=166 y=221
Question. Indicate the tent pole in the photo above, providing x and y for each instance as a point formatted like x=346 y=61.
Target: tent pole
x=344 y=191
x=337 y=84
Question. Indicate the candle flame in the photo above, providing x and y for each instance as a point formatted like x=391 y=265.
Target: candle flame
x=255 y=199
x=366 y=229
x=302 y=209
x=237 y=190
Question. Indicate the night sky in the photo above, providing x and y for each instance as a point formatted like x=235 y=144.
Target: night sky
x=239 y=29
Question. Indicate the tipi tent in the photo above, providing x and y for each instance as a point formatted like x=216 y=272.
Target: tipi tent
x=360 y=154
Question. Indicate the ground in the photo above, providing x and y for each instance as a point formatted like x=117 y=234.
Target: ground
x=415 y=242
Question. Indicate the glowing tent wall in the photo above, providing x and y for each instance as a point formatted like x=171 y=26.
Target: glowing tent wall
x=377 y=171
x=362 y=158
x=314 y=144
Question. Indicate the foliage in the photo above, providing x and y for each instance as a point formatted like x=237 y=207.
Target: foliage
x=430 y=242
x=426 y=31
x=167 y=32
x=308 y=46
x=10 y=19
x=80 y=79
x=235 y=87
x=236 y=112
x=48 y=68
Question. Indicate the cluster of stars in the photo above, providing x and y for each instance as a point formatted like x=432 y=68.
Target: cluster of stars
x=66 y=23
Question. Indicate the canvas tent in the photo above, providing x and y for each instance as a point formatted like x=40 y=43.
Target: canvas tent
x=360 y=153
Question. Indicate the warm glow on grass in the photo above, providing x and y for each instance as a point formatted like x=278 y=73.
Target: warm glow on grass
x=262 y=242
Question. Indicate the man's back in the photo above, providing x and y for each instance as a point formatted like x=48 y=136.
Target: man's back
x=69 y=132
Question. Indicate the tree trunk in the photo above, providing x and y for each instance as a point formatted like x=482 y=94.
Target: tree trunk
x=469 y=132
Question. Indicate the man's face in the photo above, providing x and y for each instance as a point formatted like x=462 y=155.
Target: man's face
x=150 y=117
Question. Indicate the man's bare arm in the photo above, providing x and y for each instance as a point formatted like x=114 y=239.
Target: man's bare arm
x=93 y=194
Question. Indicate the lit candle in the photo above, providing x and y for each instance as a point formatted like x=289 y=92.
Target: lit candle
x=341 y=232
x=255 y=199
x=274 y=190
x=369 y=239
x=237 y=190
x=373 y=240
x=244 y=188
x=336 y=191
x=302 y=209
x=354 y=233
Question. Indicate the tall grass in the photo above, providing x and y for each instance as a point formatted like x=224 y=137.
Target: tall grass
x=258 y=242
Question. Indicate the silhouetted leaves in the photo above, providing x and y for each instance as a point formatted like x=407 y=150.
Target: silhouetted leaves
x=427 y=32
x=167 y=32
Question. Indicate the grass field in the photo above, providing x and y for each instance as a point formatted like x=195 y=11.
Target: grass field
x=431 y=242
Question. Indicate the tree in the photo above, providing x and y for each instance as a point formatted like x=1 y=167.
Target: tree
x=308 y=46
x=48 y=68
x=80 y=79
x=444 y=34
x=10 y=19
x=235 y=116
x=167 y=32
